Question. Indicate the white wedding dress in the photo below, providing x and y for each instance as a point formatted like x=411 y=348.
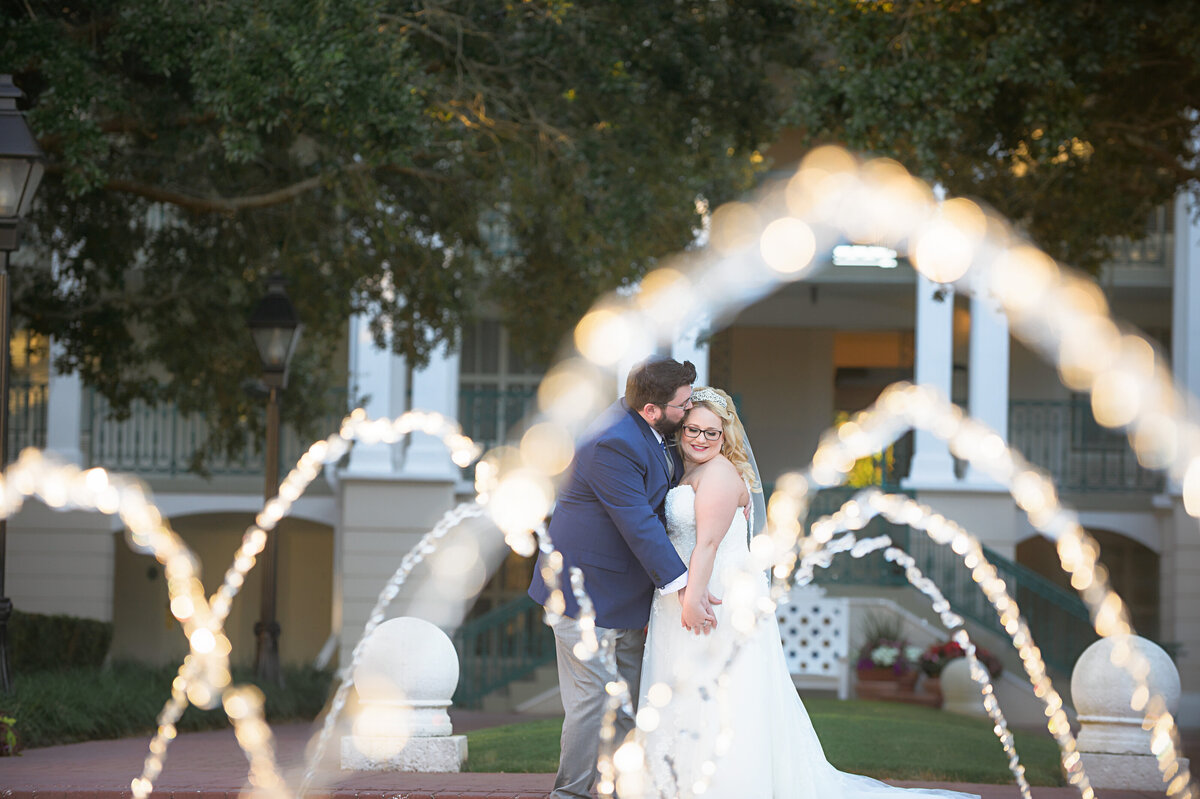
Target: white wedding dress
x=749 y=732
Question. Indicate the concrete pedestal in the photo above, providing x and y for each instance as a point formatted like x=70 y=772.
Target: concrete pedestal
x=404 y=679
x=381 y=753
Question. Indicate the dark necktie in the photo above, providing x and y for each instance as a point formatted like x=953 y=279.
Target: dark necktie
x=670 y=460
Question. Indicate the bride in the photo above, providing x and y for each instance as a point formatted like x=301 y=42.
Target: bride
x=734 y=726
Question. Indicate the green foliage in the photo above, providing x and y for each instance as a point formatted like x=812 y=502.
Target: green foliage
x=423 y=161
x=882 y=626
x=40 y=642
x=884 y=645
x=9 y=746
x=885 y=740
x=1073 y=125
x=85 y=704
x=410 y=161
x=871 y=470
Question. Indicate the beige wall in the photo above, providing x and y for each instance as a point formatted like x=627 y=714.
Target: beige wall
x=146 y=631
x=60 y=562
x=382 y=520
x=990 y=516
x=784 y=378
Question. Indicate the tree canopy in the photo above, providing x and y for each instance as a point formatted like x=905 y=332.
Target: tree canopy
x=418 y=161
x=412 y=161
x=1072 y=119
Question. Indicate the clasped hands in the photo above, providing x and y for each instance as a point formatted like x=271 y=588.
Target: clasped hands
x=697 y=615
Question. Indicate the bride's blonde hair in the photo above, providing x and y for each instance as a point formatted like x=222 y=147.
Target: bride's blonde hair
x=733 y=442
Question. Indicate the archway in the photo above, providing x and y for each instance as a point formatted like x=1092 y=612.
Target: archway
x=145 y=630
x=1133 y=570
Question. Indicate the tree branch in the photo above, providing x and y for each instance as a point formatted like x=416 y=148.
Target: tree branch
x=122 y=301
x=1173 y=162
x=213 y=205
x=232 y=205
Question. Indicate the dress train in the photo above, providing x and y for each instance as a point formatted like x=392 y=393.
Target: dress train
x=745 y=735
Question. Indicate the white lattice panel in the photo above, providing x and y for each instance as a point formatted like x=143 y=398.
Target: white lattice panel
x=815 y=631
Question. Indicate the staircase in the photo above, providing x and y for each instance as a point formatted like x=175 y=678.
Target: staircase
x=536 y=692
x=504 y=645
x=1059 y=620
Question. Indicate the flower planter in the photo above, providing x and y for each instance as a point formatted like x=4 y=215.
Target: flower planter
x=879 y=674
x=886 y=685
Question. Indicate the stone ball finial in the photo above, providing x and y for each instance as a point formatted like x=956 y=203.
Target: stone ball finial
x=960 y=693
x=1113 y=747
x=405 y=677
x=1099 y=688
x=409 y=663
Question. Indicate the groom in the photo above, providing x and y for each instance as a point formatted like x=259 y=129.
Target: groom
x=609 y=522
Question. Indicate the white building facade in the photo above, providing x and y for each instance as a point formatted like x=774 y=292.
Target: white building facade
x=794 y=362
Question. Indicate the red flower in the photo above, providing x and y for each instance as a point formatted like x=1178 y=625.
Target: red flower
x=937 y=656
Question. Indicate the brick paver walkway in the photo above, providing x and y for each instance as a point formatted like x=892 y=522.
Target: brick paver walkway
x=209 y=765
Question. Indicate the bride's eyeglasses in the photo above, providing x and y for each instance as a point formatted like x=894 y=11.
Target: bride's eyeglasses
x=691 y=431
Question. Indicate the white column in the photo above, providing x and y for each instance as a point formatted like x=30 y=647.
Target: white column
x=1178 y=606
x=434 y=388
x=64 y=411
x=932 y=466
x=378 y=375
x=691 y=344
x=987 y=389
x=1185 y=327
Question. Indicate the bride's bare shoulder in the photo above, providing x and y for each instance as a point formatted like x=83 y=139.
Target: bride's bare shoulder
x=717 y=473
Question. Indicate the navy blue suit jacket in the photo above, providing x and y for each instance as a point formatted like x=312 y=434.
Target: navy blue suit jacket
x=609 y=521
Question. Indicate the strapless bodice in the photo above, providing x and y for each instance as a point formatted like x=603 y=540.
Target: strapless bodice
x=681 y=529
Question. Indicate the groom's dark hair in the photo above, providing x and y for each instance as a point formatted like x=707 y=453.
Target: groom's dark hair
x=655 y=381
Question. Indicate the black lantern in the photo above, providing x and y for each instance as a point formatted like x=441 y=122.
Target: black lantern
x=276 y=330
x=21 y=164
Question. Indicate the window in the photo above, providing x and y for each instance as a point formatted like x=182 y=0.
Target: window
x=28 y=392
x=497 y=386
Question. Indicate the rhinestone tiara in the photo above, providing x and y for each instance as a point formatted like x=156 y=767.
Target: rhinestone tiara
x=708 y=395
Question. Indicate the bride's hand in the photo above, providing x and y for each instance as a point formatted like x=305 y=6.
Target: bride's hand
x=697 y=614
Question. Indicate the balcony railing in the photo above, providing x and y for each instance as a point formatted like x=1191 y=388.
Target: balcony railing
x=158 y=441
x=1153 y=252
x=1062 y=437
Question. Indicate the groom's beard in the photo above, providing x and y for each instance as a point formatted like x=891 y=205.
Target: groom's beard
x=666 y=427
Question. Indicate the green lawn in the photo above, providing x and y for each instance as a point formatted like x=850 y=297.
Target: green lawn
x=880 y=739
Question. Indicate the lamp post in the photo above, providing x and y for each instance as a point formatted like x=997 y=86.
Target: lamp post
x=21 y=166
x=276 y=329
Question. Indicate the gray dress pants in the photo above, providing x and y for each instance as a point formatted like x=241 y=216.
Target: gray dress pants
x=582 y=686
